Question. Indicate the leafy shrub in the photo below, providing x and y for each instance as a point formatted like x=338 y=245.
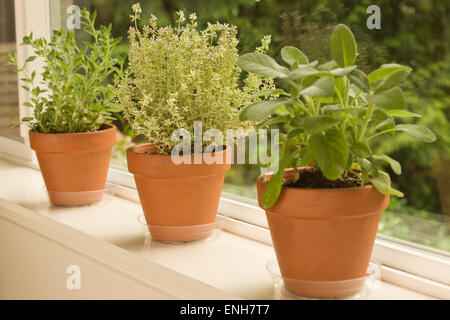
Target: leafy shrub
x=332 y=113
x=178 y=75
x=73 y=94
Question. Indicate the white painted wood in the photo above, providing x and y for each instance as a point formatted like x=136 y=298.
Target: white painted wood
x=385 y=252
x=243 y=211
x=410 y=260
x=419 y=284
x=15 y=149
x=36 y=251
x=30 y=16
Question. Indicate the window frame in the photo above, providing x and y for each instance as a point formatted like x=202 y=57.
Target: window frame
x=29 y=16
x=244 y=216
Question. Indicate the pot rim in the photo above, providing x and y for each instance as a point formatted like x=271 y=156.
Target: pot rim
x=323 y=217
x=314 y=203
x=108 y=127
x=132 y=150
x=367 y=186
x=76 y=142
x=159 y=166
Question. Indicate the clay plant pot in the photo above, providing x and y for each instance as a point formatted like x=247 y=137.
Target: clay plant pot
x=74 y=165
x=324 y=236
x=179 y=201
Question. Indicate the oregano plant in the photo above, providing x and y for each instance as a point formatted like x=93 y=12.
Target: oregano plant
x=74 y=92
x=331 y=114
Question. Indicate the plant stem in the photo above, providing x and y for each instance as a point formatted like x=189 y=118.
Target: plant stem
x=366 y=122
x=341 y=101
x=302 y=106
x=347 y=88
x=380 y=133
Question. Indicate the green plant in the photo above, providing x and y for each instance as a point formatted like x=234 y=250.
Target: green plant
x=178 y=75
x=73 y=94
x=332 y=113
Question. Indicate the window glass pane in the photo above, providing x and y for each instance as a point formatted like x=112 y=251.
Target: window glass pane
x=9 y=100
x=414 y=33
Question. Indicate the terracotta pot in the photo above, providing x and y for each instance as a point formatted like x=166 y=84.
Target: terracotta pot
x=179 y=200
x=74 y=165
x=324 y=235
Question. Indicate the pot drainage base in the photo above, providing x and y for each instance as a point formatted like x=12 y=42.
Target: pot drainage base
x=354 y=289
x=47 y=208
x=195 y=234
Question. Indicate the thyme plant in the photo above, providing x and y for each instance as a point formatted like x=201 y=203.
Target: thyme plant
x=178 y=75
x=332 y=113
x=74 y=93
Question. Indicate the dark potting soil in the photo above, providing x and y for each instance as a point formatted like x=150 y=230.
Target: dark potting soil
x=315 y=179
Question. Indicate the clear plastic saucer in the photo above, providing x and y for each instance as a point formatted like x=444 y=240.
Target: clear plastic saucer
x=196 y=233
x=353 y=289
x=93 y=198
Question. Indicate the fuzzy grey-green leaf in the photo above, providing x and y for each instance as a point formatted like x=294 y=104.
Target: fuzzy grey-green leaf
x=339 y=72
x=315 y=124
x=262 y=64
x=361 y=149
x=383 y=184
x=273 y=188
x=417 y=131
x=343 y=46
x=403 y=114
x=291 y=55
x=386 y=70
x=392 y=98
x=323 y=87
x=259 y=110
x=359 y=79
x=392 y=80
x=330 y=151
x=268 y=92
x=302 y=72
x=394 y=164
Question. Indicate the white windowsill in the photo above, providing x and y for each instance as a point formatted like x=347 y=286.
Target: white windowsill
x=231 y=263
